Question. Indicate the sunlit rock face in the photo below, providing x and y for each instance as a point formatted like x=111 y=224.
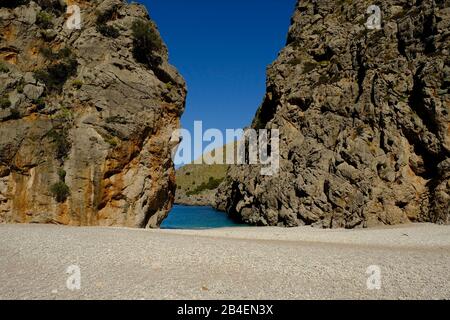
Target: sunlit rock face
x=364 y=116
x=86 y=115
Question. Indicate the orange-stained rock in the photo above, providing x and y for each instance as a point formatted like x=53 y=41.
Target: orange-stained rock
x=102 y=131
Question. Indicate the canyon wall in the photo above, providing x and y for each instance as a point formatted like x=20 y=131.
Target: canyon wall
x=86 y=115
x=364 y=120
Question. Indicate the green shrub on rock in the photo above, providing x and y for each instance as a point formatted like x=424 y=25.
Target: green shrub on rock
x=62 y=143
x=62 y=174
x=64 y=65
x=60 y=191
x=102 y=26
x=108 y=31
x=55 y=76
x=44 y=20
x=146 y=43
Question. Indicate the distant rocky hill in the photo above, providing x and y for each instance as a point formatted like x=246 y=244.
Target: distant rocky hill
x=364 y=120
x=86 y=115
x=197 y=184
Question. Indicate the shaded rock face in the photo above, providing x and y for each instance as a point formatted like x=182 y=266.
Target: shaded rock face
x=85 y=121
x=364 y=119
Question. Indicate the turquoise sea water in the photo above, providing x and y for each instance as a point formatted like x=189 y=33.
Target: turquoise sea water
x=184 y=217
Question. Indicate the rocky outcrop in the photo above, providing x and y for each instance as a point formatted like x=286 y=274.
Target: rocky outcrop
x=205 y=198
x=364 y=120
x=86 y=115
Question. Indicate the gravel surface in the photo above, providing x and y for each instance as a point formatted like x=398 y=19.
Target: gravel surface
x=236 y=263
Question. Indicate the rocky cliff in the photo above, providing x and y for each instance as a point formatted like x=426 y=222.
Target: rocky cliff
x=364 y=119
x=86 y=114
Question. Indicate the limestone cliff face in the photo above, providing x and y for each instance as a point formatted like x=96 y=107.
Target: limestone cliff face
x=86 y=115
x=364 y=119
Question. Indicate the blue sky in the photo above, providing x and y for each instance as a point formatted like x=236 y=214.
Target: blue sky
x=222 y=49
